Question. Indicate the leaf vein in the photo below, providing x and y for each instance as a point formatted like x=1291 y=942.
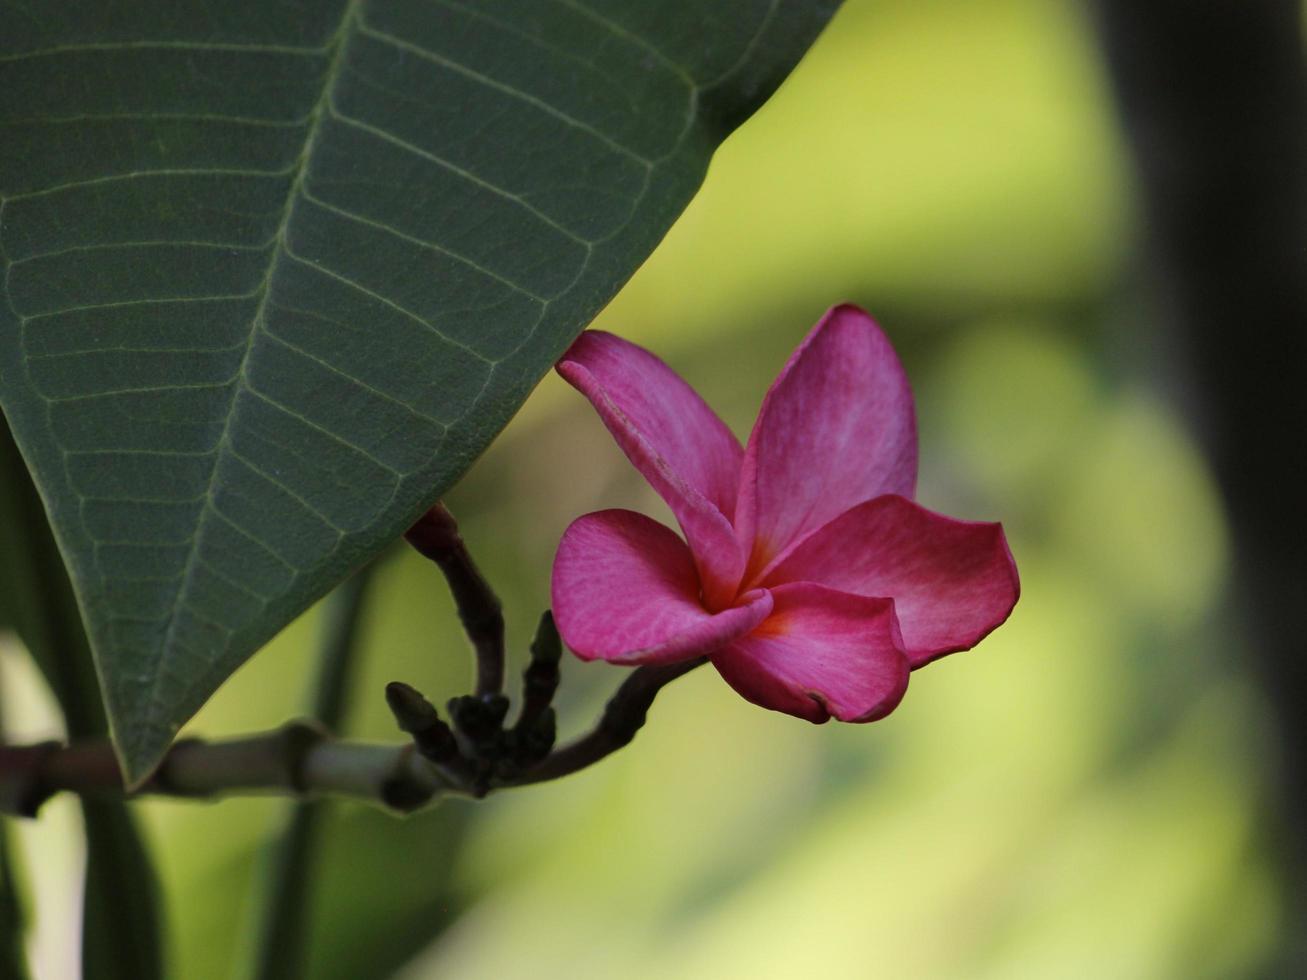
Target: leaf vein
x=128 y=451
x=224 y=246
x=222 y=576
x=362 y=385
x=493 y=83
x=158 y=172
x=532 y=39
x=116 y=46
x=215 y=117
x=359 y=287
x=118 y=304
x=258 y=471
x=318 y=427
x=141 y=390
x=423 y=243
x=254 y=539
x=418 y=151
x=91 y=351
x=635 y=39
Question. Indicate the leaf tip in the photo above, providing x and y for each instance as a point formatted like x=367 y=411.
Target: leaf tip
x=140 y=749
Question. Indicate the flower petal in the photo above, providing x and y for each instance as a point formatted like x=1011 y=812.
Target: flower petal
x=836 y=428
x=625 y=590
x=952 y=581
x=820 y=654
x=672 y=437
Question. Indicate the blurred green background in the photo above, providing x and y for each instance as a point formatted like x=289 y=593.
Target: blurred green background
x=1077 y=797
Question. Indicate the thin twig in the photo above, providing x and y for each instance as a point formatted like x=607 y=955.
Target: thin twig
x=436 y=537
x=623 y=716
x=541 y=677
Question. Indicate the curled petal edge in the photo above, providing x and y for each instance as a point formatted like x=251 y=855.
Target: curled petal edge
x=625 y=590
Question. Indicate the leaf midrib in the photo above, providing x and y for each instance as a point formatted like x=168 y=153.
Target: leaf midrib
x=337 y=46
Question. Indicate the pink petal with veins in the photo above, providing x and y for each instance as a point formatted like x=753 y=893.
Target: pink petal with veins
x=674 y=439
x=820 y=654
x=625 y=590
x=952 y=581
x=837 y=427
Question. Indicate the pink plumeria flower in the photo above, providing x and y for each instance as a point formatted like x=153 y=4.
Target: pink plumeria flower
x=807 y=575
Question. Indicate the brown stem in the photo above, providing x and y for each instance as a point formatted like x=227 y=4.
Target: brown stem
x=436 y=537
x=541 y=678
x=623 y=716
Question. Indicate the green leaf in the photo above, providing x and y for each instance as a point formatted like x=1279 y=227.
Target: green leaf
x=276 y=273
x=121 y=920
x=36 y=600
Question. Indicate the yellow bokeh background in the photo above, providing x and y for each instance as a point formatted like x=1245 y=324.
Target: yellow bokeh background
x=1077 y=797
